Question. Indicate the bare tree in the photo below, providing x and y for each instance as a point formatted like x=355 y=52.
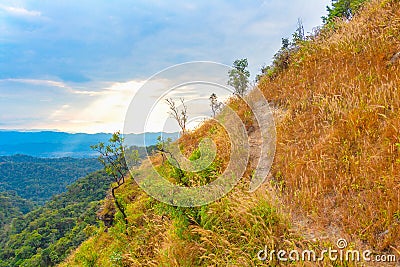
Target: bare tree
x=179 y=115
x=215 y=104
x=299 y=35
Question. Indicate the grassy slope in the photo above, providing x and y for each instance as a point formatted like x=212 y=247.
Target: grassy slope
x=337 y=165
x=338 y=154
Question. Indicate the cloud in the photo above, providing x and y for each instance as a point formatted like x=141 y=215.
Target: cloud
x=37 y=82
x=20 y=11
x=105 y=112
x=92 y=55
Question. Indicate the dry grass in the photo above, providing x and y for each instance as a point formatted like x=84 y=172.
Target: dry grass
x=338 y=152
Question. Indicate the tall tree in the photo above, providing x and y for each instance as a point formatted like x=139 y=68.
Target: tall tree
x=239 y=76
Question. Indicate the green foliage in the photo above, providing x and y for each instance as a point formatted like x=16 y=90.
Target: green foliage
x=239 y=76
x=38 y=179
x=182 y=217
x=281 y=59
x=342 y=9
x=12 y=206
x=112 y=156
x=116 y=160
x=45 y=236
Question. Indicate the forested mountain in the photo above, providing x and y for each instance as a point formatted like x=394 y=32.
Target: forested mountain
x=12 y=206
x=61 y=144
x=38 y=179
x=46 y=235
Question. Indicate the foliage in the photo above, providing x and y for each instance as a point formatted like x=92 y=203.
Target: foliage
x=336 y=165
x=38 y=179
x=12 y=206
x=45 y=236
x=239 y=76
x=345 y=9
x=114 y=158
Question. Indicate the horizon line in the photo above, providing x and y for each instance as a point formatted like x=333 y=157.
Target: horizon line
x=70 y=132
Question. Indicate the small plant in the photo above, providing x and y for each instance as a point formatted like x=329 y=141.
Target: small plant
x=116 y=258
x=396 y=215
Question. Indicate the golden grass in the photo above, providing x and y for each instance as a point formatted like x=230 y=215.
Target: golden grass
x=337 y=152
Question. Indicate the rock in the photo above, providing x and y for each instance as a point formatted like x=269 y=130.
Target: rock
x=395 y=58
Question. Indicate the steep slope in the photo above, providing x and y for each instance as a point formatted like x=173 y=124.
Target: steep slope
x=338 y=154
x=335 y=174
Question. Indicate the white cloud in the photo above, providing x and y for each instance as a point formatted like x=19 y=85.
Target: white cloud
x=103 y=113
x=20 y=11
x=130 y=40
x=37 y=82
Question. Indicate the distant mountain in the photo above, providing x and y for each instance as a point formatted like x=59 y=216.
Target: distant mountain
x=51 y=144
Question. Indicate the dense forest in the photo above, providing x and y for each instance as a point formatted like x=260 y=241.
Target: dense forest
x=12 y=206
x=47 y=210
x=45 y=236
x=38 y=179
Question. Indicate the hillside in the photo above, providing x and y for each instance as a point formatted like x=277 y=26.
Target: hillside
x=38 y=179
x=336 y=171
x=46 y=235
x=13 y=206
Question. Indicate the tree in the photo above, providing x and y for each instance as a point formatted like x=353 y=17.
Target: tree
x=299 y=35
x=215 y=104
x=179 y=115
x=342 y=9
x=239 y=76
x=112 y=156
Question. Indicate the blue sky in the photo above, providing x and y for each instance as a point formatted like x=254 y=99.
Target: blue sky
x=74 y=65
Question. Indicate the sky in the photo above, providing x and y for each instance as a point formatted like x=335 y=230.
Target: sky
x=75 y=66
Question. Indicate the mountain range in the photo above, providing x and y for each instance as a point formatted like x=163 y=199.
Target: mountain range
x=54 y=144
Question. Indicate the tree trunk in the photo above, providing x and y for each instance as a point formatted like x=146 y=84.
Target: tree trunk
x=120 y=208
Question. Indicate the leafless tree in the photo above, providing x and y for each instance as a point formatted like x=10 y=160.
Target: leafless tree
x=180 y=115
